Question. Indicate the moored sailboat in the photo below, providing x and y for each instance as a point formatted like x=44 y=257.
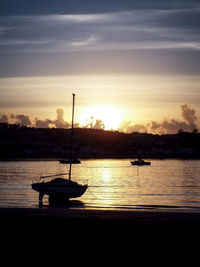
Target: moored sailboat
x=67 y=161
x=60 y=189
x=140 y=162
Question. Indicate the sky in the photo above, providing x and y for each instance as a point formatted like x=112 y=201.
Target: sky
x=133 y=65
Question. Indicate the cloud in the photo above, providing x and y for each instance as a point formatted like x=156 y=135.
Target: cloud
x=16 y=7
x=166 y=126
x=59 y=122
x=4 y=29
x=129 y=127
x=94 y=124
x=88 y=41
x=43 y=123
x=21 y=119
x=189 y=115
x=124 y=30
x=4 y=118
x=24 y=120
x=61 y=42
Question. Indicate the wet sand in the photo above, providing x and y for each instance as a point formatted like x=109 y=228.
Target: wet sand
x=61 y=217
x=98 y=231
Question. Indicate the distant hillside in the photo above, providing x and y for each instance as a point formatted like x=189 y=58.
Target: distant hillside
x=22 y=142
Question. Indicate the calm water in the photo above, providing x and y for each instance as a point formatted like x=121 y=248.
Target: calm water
x=166 y=184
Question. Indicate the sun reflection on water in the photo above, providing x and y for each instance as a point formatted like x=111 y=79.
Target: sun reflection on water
x=112 y=183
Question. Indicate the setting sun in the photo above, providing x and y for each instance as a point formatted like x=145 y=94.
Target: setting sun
x=110 y=117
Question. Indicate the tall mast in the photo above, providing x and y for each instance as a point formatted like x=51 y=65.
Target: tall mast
x=71 y=141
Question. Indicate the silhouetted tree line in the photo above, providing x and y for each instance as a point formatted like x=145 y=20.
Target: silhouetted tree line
x=23 y=142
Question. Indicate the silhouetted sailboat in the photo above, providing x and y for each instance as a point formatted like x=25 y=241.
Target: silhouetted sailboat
x=60 y=189
x=67 y=161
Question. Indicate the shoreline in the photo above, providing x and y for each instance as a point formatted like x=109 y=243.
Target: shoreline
x=94 y=158
x=67 y=216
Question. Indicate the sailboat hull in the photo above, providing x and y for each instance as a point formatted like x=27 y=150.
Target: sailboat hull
x=140 y=163
x=62 y=187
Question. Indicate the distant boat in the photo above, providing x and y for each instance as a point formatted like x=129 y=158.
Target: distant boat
x=67 y=161
x=60 y=189
x=140 y=162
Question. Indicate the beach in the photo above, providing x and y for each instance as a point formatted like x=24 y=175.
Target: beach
x=52 y=217
x=99 y=233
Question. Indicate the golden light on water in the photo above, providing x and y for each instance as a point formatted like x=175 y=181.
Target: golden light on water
x=110 y=117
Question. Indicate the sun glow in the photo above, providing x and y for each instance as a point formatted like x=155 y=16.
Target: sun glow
x=107 y=116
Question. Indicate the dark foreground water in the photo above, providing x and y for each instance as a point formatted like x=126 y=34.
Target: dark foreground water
x=113 y=184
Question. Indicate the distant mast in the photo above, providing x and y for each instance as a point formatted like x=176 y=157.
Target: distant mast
x=71 y=141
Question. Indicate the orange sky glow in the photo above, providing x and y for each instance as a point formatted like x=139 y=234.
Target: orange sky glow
x=133 y=65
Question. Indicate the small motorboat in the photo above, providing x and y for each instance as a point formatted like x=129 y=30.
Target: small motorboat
x=140 y=162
